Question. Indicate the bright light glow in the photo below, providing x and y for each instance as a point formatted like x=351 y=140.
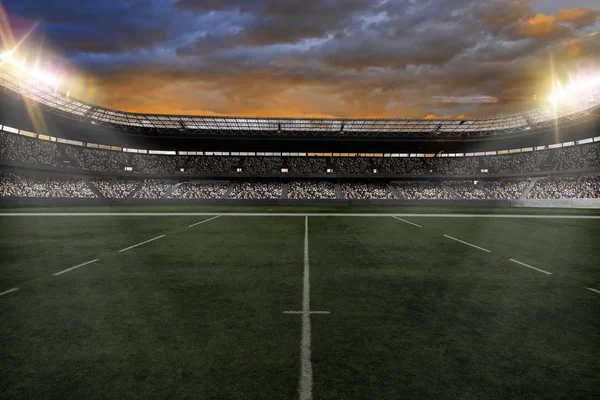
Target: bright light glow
x=41 y=76
x=579 y=89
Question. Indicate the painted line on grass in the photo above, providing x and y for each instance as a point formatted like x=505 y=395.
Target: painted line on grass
x=75 y=267
x=593 y=290
x=468 y=244
x=183 y=214
x=139 y=244
x=9 y=291
x=310 y=312
x=306 y=373
x=201 y=222
x=529 y=266
x=408 y=222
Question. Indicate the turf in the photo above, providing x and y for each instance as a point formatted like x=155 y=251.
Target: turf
x=199 y=313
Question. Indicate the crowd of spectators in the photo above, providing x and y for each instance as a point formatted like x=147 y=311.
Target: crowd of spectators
x=352 y=190
x=256 y=190
x=587 y=155
x=454 y=166
x=423 y=190
x=212 y=164
x=307 y=165
x=21 y=185
x=311 y=190
x=153 y=189
x=464 y=190
x=401 y=166
x=20 y=148
x=114 y=189
x=200 y=191
x=263 y=165
x=585 y=187
x=153 y=164
x=97 y=160
x=354 y=166
x=32 y=151
x=516 y=163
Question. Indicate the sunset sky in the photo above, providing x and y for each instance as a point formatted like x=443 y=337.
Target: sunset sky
x=301 y=58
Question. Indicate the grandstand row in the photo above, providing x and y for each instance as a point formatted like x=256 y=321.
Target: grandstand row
x=33 y=167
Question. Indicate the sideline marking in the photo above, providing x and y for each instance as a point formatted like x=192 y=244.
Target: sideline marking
x=139 y=244
x=158 y=214
x=310 y=312
x=75 y=267
x=306 y=373
x=529 y=266
x=201 y=222
x=408 y=222
x=9 y=291
x=467 y=243
x=593 y=290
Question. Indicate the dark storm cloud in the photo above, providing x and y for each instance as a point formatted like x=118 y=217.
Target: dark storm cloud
x=318 y=57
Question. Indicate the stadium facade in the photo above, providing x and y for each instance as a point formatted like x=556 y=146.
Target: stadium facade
x=117 y=155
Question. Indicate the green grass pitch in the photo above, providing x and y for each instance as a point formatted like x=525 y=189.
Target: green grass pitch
x=199 y=313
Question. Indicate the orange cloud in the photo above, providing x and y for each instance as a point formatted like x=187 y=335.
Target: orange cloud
x=578 y=16
x=539 y=26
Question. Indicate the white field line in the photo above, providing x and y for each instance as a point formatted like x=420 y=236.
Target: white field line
x=163 y=214
x=408 y=222
x=75 y=267
x=588 y=288
x=310 y=312
x=201 y=222
x=306 y=373
x=9 y=291
x=468 y=244
x=529 y=266
x=139 y=244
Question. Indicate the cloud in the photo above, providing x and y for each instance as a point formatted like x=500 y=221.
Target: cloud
x=578 y=16
x=347 y=58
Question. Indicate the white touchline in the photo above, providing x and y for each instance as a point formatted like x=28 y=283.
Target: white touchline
x=201 y=222
x=75 y=267
x=408 y=222
x=467 y=243
x=305 y=385
x=184 y=214
x=593 y=290
x=139 y=244
x=529 y=266
x=9 y=291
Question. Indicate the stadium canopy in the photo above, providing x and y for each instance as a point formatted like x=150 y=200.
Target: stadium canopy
x=54 y=101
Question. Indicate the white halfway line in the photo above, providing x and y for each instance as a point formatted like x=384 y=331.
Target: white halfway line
x=529 y=266
x=201 y=222
x=306 y=373
x=408 y=222
x=310 y=312
x=75 y=267
x=588 y=288
x=139 y=244
x=467 y=243
x=9 y=291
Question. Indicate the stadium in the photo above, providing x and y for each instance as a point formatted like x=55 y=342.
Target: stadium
x=153 y=255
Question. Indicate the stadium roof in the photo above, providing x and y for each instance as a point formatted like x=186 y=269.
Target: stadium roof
x=59 y=103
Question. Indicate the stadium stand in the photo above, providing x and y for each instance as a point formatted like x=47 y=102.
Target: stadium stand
x=200 y=191
x=24 y=185
x=256 y=190
x=114 y=189
x=584 y=187
x=312 y=190
x=354 y=190
x=153 y=189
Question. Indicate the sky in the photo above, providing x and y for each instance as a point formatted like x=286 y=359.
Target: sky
x=314 y=58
